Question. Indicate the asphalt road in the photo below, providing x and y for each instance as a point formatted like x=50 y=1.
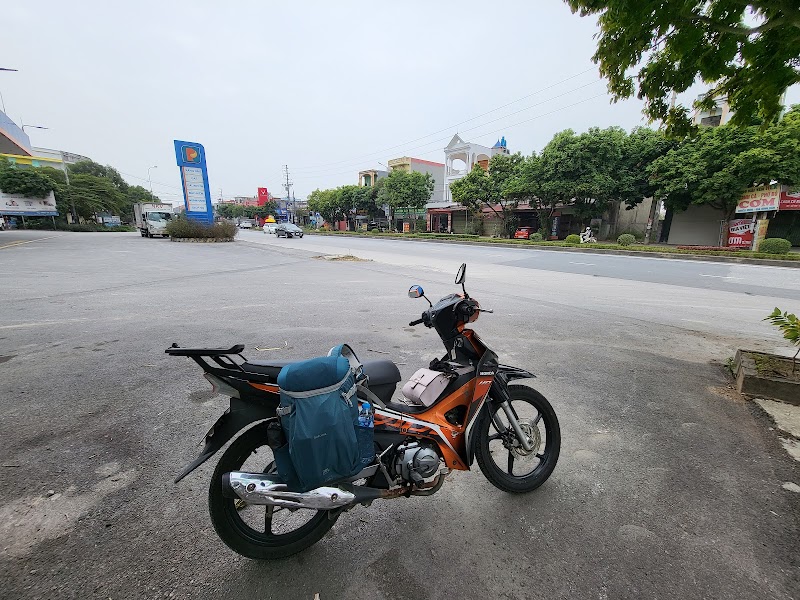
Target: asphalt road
x=668 y=486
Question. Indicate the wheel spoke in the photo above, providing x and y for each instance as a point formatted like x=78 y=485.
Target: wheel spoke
x=510 y=463
x=496 y=436
x=536 y=420
x=540 y=456
x=268 y=518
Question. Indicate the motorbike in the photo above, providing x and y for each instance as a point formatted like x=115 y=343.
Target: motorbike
x=484 y=413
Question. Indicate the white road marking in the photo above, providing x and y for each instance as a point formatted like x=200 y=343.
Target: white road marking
x=721 y=276
x=572 y=262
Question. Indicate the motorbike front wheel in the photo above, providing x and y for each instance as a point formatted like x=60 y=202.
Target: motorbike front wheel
x=260 y=532
x=501 y=457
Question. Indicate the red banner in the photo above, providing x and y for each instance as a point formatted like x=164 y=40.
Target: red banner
x=789 y=200
x=740 y=233
x=263 y=196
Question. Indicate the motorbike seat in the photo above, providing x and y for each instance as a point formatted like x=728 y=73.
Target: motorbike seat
x=383 y=376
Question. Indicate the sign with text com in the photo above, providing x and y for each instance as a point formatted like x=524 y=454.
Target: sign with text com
x=191 y=158
x=759 y=199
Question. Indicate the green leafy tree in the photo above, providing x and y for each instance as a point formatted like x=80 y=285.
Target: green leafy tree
x=27 y=182
x=329 y=204
x=89 y=167
x=92 y=195
x=492 y=189
x=748 y=51
x=720 y=163
x=409 y=190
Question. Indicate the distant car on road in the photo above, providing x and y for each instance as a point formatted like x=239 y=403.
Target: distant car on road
x=269 y=227
x=288 y=230
x=523 y=233
x=246 y=224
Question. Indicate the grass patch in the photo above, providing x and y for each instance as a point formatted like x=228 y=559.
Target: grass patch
x=563 y=244
x=343 y=257
x=181 y=227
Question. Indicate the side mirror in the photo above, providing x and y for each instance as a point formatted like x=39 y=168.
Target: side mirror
x=462 y=273
x=415 y=291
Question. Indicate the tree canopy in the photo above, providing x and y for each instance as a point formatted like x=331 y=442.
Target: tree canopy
x=405 y=189
x=748 y=52
x=720 y=163
x=27 y=182
x=488 y=189
x=233 y=211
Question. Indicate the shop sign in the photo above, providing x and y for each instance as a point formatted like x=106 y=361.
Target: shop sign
x=790 y=199
x=740 y=233
x=758 y=199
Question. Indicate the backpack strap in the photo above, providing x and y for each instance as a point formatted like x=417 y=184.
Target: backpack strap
x=365 y=391
x=346 y=351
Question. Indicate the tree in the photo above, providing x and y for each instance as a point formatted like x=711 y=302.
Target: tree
x=748 y=51
x=89 y=167
x=491 y=189
x=640 y=148
x=329 y=204
x=27 y=182
x=720 y=163
x=405 y=189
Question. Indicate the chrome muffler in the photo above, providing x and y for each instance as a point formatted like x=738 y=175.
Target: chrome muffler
x=262 y=489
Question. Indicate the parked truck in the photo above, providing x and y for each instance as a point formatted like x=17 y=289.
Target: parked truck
x=152 y=218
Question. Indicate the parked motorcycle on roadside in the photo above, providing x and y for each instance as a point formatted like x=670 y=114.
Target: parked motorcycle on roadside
x=466 y=406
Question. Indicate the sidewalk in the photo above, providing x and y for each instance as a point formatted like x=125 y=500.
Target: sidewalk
x=588 y=249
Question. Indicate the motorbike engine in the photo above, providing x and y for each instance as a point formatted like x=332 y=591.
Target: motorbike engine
x=415 y=462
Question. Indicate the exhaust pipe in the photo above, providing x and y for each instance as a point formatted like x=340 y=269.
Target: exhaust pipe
x=258 y=488
x=262 y=489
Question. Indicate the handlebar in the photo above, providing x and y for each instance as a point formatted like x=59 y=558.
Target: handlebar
x=417 y=322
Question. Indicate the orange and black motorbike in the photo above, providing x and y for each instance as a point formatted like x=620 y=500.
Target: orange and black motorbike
x=481 y=413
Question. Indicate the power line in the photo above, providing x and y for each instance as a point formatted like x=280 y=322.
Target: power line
x=451 y=127
x=427 y=144
x=504 y=128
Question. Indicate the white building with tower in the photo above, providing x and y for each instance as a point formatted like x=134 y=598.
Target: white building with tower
x=461 y=157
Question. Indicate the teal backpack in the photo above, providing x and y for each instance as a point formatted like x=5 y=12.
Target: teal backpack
x=319 y=415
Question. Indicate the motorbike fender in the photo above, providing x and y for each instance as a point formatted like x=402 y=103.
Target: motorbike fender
x=238 y=416
x=498 y=392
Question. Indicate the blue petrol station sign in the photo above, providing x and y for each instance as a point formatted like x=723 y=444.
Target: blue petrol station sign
x=191 y=158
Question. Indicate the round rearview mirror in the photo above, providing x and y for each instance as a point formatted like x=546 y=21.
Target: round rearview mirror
x=462 y=273
x=415 y=291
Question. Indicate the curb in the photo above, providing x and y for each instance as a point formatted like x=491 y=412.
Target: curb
x=201 y=240
x=670 y=255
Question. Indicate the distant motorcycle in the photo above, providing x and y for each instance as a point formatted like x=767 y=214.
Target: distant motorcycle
x=466 y=406
x=587 y=237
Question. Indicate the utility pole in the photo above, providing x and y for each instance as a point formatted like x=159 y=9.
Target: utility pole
x=287 y=185
x=69 y=190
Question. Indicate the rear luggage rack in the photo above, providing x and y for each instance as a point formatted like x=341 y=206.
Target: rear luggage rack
x=204 y=356
x=176 y=350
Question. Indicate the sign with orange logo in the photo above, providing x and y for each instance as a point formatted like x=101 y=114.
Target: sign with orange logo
x=191 y=158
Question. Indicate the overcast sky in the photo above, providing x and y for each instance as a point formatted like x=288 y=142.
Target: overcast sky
x=329 y=88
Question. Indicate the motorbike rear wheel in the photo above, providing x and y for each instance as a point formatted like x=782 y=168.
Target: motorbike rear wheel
x=519 y=470
x=256 y=531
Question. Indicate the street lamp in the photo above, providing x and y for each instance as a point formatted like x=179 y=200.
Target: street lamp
x=148 y=178
x=33 y=126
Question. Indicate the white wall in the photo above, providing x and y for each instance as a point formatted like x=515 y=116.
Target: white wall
x=696 y=226
x=437 y=172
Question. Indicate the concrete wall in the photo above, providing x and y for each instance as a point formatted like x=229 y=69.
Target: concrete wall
x=634 y=220
x=696 y=226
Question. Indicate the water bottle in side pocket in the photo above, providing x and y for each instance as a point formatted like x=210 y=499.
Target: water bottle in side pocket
x=365 y=433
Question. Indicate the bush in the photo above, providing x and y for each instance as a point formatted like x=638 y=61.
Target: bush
x=714 y=248
x=573 y=238
x=626 y=239
x=636 y=234
x=775 y=246
x=181 y=227
x=535 y=237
